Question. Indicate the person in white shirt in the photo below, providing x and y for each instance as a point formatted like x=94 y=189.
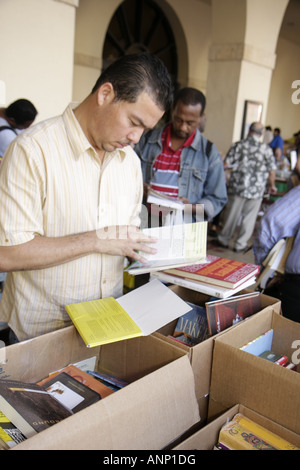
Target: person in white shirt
x=71 y=191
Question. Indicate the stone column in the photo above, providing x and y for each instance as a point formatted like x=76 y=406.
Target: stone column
x=241 y=61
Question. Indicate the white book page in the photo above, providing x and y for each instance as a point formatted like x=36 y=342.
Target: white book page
x=152 y=306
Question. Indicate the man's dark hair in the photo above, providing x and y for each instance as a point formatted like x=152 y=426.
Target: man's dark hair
x=191 y=96
x=132 y=74
x=22 y=111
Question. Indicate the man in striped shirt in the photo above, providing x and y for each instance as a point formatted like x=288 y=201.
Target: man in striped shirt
x=282 y=220
x=71 y=191
x=175 y=160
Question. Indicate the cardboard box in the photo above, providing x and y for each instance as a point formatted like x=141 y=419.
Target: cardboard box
x=207 y=437
x=241 y=377
x=158 y=405
x=201 y=355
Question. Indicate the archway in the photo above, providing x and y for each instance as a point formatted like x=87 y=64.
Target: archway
x=140 y=25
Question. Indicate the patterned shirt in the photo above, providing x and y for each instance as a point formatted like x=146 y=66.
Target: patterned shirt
x=251 y=162
x=52 y=184
x=281 y=220
x=166 y=167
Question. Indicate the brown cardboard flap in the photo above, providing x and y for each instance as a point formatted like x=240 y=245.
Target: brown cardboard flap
x=32 y=360
x=147 y=414
x=240 y=377
x=208 y=436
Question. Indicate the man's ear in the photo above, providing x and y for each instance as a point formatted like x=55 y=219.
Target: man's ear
x=105 y=93
x=12 y=122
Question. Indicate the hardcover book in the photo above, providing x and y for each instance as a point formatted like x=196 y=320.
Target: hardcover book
x=209 y=289
x=30 y=407
x=222 y=314
x=192 y=328
x=71 y=393
x=218 y=271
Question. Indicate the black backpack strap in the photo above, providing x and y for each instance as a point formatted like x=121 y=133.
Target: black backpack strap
x=2 y=128
x=209 y=145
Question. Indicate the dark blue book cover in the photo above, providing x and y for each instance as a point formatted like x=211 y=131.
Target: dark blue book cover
x=192 y=328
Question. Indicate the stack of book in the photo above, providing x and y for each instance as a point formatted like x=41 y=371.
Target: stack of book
x=29 y=408
x=241 y=433
x=262 y=346
x=216 y=276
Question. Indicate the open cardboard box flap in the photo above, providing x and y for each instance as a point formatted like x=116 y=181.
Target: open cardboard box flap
x=240 y=377
x=146 y=414
x=158 y=405
x=201 y=354
x=207 y=437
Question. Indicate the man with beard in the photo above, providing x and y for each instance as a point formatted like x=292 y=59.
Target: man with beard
x=179 y=162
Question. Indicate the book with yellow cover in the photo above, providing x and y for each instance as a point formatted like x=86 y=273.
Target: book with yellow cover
x=138 y=313
x=242 y=433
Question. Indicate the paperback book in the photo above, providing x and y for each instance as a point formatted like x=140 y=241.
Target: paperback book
x=242 y=433
x=71 y=393
x=115 y=383
x=177 y=245
x=30 y=407
x=192 y=328
x=138 y=313
x=82 y=377
x=10 y=435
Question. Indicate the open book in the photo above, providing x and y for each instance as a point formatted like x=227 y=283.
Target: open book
x=275 y=261
x=177 y=245
x=138 y=313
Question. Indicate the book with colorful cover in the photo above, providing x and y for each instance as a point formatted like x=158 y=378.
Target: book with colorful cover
x=271 y=356
x=192 y=327
x=218 y=271
x=242 y=433
x=203 y=287
x=137 y=313
x=10 y=435
x=82 y=377
x=30 y=407
x=222 y=314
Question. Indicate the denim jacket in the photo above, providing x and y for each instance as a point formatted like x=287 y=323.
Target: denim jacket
x=201 y=177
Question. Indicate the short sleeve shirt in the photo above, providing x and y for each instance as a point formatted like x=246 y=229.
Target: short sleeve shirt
x=52 y=184
x=251 y=162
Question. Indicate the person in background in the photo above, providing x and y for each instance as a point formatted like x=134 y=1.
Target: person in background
x=18 y=116
x=276 y=144
x=268 y=135
x=176 y=162
x=71 y=191
x=282 y=220
x=252 y=167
